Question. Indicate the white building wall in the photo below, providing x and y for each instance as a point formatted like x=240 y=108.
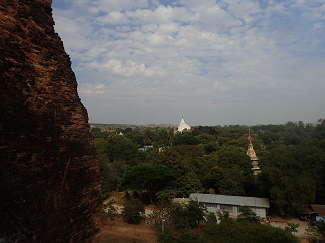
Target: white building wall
x=261 y=212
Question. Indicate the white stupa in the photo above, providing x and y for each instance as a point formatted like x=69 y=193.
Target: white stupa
x=183 y=126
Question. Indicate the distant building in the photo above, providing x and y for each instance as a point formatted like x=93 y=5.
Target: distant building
x=183 y=126
x=251 y=153
x=319 y=211
x=145 y=148
x=222 y=203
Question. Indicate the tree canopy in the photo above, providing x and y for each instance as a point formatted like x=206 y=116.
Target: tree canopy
x=213 y=159
x=148 y=177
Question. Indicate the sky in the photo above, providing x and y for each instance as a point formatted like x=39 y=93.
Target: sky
x=213 y=62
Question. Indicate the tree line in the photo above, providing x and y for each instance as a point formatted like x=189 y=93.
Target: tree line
x=212 y=159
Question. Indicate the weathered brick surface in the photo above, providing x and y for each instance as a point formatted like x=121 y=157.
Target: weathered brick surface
x=49 y=180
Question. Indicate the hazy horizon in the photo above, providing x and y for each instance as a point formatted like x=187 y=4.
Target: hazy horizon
x=147 y=124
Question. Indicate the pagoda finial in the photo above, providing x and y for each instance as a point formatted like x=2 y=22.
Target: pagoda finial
x=249 y=136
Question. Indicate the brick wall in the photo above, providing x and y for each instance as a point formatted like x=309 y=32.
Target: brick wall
x=49 y=175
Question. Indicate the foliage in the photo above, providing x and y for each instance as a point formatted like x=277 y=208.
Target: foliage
x=132 y=211
x=208 y=143
x=211 y=218
x=167 y=194
x=177 y=215
x=108 y=212
x=101 y=145
x=195 y=213
x=138 y=140
x=320 y=228
x=160 y=212
x=205 y=138
x=233 y=231
x=121 y=148
x=104 y=174
x=148 y=177
x=111 y=172
x=213 y=178
x=186 y=139
x=232 y=182
x=290 y=179
x=188 y=184
x=182 y=236
x=311 y=231
x=292 y=159
x=316 y=230
x=247 y=229
x=247 y=214
x=292 y=227
x=211 y=191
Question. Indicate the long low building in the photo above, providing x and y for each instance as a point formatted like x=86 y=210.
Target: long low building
x=222 y=203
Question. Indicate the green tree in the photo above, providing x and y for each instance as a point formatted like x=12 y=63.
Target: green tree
x=120 y=148
x=319 y=132
x=320 y=228
x=195 y=213
x=213 y=178
x=186 y=139
x=152 y=178
x=138 y=140
x=177 y=215
x=108 y=212
x=246 y=213
x=132 y=211
x=292 y=227
x=246 y=231
x=288 y=181
x=206 y=138
x=149 y=136
x=104 y=174
x=232 y=182
x=101 y=145
x=188 y=184
x=167 y=194
x=115 y=171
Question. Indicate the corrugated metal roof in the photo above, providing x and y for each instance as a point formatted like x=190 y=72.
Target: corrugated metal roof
x=233 y=200
x=308 y=210
x=319 y=209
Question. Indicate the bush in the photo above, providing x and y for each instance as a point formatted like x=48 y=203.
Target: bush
x=132 y=211
x=195 y=213
x=176 y=215
x=182 y=236
x=211 y=218
x=108 y=212
x=246 y=213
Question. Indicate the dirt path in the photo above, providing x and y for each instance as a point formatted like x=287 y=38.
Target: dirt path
x=120 y=232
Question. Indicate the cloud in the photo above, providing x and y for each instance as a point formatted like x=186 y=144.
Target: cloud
x=194 y=54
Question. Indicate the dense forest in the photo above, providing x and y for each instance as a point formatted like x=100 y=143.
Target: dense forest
x=158 y=164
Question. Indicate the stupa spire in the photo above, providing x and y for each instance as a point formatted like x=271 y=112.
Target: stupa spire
x=251 y=153
x=249 y=135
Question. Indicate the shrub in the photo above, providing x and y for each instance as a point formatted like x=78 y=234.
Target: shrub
x=108 y=212
x=132 y=211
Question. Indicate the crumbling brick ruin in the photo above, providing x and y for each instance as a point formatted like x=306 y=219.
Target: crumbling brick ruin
x=49 y=178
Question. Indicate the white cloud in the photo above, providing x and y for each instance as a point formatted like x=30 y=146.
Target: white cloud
x=208 y=54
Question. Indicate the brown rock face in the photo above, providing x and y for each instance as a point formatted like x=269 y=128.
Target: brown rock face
x=49 y=176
